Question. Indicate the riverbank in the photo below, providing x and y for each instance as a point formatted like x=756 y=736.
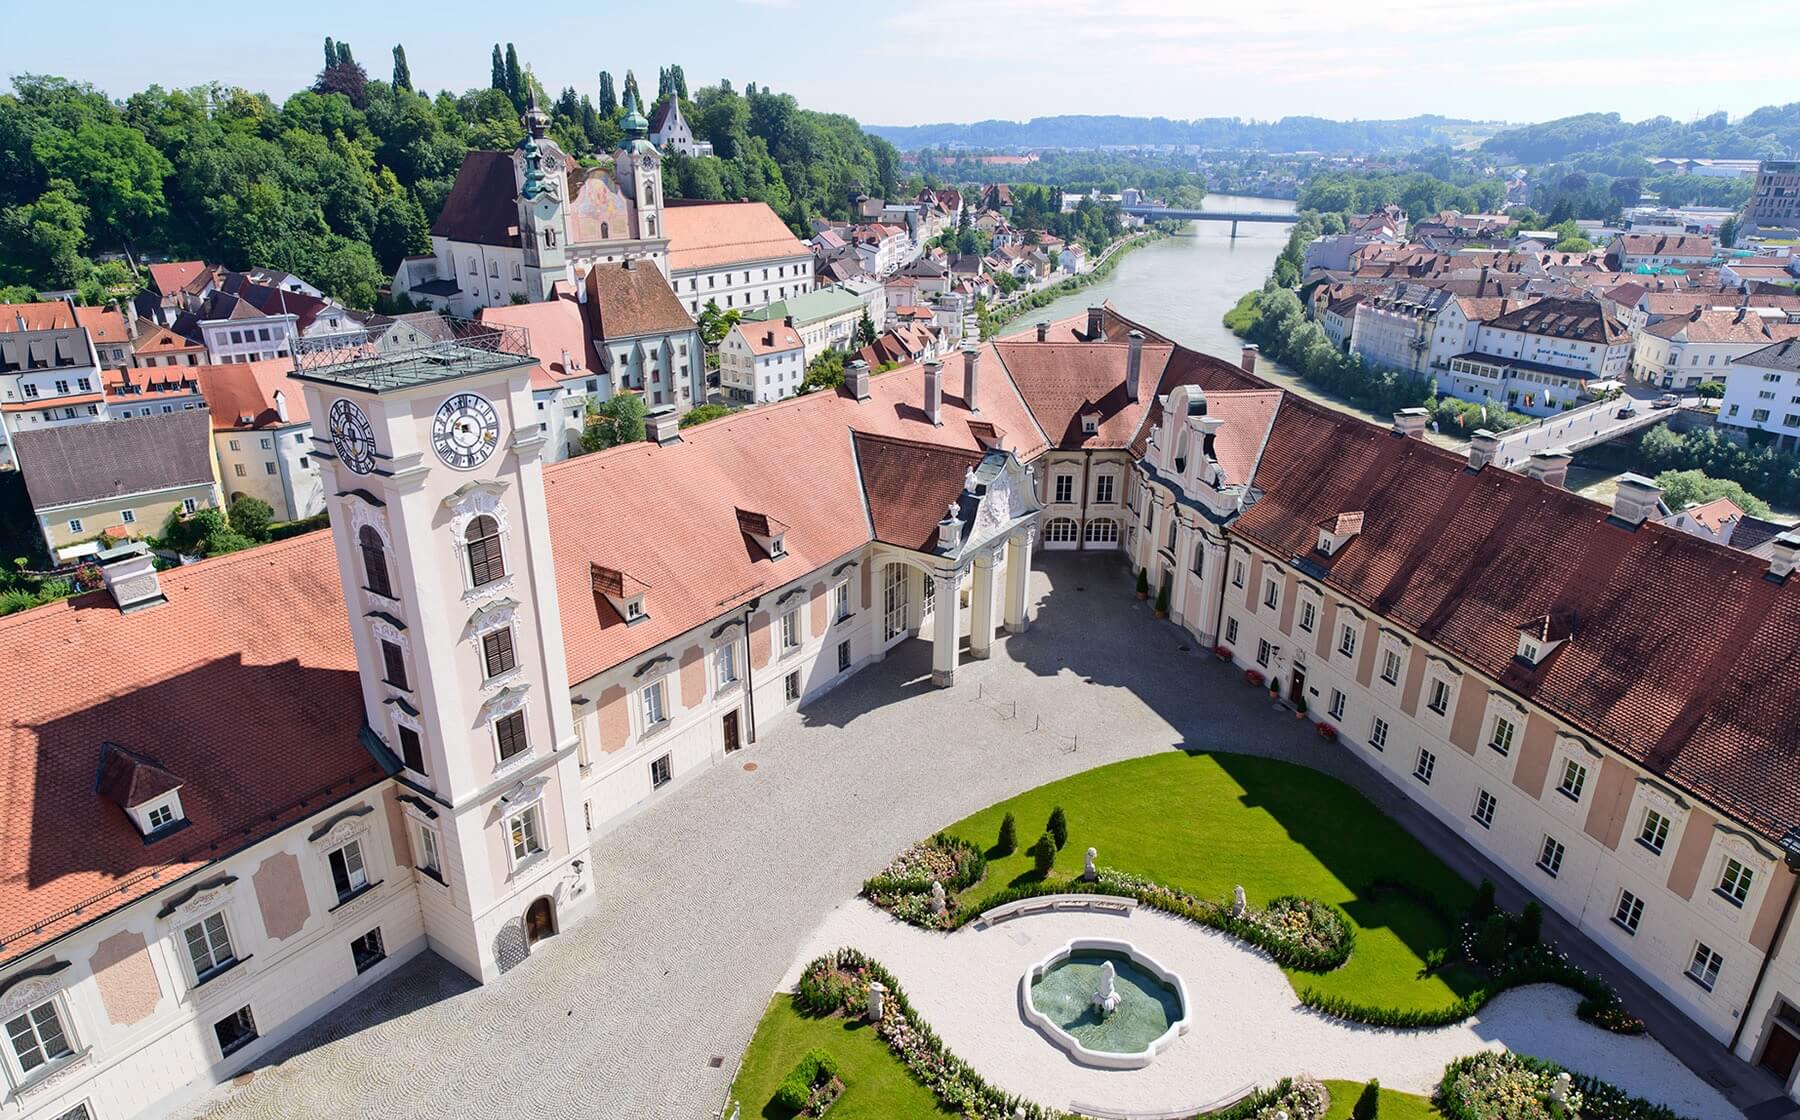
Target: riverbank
x=993 y=321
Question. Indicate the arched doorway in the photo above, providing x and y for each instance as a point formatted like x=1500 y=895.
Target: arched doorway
x=540 y=920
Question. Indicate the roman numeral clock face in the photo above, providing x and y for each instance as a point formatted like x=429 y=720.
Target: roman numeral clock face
x=465 y=431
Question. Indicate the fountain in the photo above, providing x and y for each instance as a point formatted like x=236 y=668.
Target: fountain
x=1105 y=1003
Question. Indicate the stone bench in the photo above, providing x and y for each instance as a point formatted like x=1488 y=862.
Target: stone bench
x=1046 y=903
x=1102 y=1112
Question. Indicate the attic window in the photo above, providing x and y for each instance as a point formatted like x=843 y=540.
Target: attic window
x=149 y=794
x=1529 y=650
x=625 y=592
x=766 y=531
x=1090 y=423
x=1540 y=637
x=1336 y=532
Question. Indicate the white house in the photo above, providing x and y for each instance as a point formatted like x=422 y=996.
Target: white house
x=761 y=361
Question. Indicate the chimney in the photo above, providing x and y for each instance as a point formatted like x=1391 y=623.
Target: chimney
x=856 y=379
x=630 y=264
x=1134 y=362
x=1411 y=422
x=971 y=372
x=1043 y=331
x=787 y=320
x=281 y=407
x=130 y=575
x=1247 y=357
x=565 y=361
x=1635 y=499
x=1550 y=467
x=1483 y=446
x=934 y=391
x=1096 y=331
x=1784 y=554
x=663 y=427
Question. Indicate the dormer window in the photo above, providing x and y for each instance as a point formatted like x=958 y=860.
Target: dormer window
x=149 y=794
x=1090 y=423
x=766 y=531
x=1529 y=650
x=625 y=592
x=1540 y=637
x=1336 y=532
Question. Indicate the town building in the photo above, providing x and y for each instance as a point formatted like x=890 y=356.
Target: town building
x=49 y=373
x=1394 y=331
x=160 y=346
x=826 y=318
x=150 y=391
x=1775 y=198
x=1681 y=352
x=123 y=478
x=1540 y=358
x=262 y=436
x=1763 y=395
x=1629 y=252
x=112 y=332
x=669 y=131
x=761 y=362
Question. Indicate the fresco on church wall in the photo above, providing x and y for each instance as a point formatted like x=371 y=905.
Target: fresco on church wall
x=599 y=211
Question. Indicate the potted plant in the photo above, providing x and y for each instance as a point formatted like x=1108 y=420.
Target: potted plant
x=1222 y=652
x=1274 y=689
x=1327 y=732
x=1299 y=706
x=1143 y=584
x=1162 y=603
x=1254 y=676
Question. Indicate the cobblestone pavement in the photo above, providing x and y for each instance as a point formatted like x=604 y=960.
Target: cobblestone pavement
x=705 y=899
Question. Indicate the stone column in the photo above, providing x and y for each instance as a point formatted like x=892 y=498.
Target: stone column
x=981 y=608
x=1018 y=580
x=943 y=631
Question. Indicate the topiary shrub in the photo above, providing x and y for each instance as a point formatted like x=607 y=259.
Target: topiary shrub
x=1143 y=583
x=1009 y=836
x=1162 y=603
x=1491 y=940
x=1058 y=827
x=1484 y=901
x=1043 y=855
x=815 y=1070
x=1368 y=1105
x=1531 y=924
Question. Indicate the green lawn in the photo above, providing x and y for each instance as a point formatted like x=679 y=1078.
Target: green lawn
x=876 y=1085
x=1394 y=1105
x=1206 y=822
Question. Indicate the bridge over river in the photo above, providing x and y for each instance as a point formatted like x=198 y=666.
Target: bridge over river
x=1164 y=213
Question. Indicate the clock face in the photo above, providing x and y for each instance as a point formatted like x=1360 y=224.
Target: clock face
x=352 y=436
x=465 y=431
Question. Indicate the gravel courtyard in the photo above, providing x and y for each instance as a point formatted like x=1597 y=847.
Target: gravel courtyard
x=1248 y=1028
x=706 y=899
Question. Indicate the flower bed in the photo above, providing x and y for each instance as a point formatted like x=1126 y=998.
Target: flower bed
x=1254 y=676
x=1506 y=1086
x=812 y=1086
x=838 y=984
x=1297 y=1098
x=903 y=888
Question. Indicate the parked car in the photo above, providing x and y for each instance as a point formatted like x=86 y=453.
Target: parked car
x=1667 y=400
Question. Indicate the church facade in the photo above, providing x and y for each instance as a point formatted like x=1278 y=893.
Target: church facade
x=415 y=726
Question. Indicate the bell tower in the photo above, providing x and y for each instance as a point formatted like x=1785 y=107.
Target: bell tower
x=433 y=461
x=638 y=167
x=539 y=171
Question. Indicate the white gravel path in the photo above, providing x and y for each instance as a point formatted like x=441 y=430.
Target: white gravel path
x=1248 y=1026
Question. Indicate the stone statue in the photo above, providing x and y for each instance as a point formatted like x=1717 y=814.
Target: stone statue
x=969 y=482
x=937 y=897
x=1559 y=1089
x=1089 y=873
x=1239 y=905
x=877 y=1001
x=1106 y=997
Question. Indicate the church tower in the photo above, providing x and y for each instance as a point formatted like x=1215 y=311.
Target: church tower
x=539 y=171
x=638 y=167
x=434 y=460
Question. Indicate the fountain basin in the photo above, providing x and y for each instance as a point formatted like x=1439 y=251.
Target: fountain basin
x=1055 y=997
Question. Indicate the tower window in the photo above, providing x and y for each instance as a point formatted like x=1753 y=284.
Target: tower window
x=374 y=557
x=497 y=651
x=486 y=564
x=393 y=663
x=509 y=735
x=412 y=751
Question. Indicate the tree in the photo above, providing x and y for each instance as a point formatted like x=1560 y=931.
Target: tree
x=865 y=330
x=1728 y=231
x=632 y=95
x=1058 y=827
x=205 y=532
x=402 y=72
x=251 y=517
x=619 y=420
x=114 y=172
x=700 y=414
x=41 y=241
x=1368 y=1102
x=1009 y=836
x=1043 y=856
x=515 y=79
x=824 y=372
x=678 y=81
x=331 y=56
x=343 y=74
x=1531 y=924
x=498 y=81
x=1683 y=487
x=609 y=101
x=1710 y=390
x=715 y=324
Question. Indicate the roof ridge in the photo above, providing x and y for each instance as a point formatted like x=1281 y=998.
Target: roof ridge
x=923 y=445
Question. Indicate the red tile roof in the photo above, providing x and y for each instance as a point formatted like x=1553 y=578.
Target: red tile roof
x=909 y=485
x=481 y=207
x=241 y=395
x=714 y=234
x=1064 y=381
x=636 y=300
x=768 y=338
x=45 y=316
x=173 y=276
x=224 y=689
x=103 y=324
x=557 y=327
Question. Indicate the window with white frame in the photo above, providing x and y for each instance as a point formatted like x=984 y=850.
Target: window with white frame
x=1309 y=615
x=1485 y=804
x=1271 y=594
x=662 y=771
x=209 y=947
x=1378 y=733
x=790 y=630
x=790 y=686
x=1705 y=966
x=1550 y=856
x=348 y=873
x=1065 y=488
x=425 y=849
x=1237 y=573
x=1103 y=489
x=1424 y=765
x=725 y=662
x=1629 y=912
x=1338 y=703
x=1390 y=666
x=1231 y=629
x=654 y=710
x=1734 y=882
x=1263 y=650
x=1574 y=780
x=1347 y=640
x=509 y=735
x=525 y=833
x=1502 y=737
x=1654 y=832
x=840 y=601
x=160 y=816
x=1438 y=698
x=38 y=1036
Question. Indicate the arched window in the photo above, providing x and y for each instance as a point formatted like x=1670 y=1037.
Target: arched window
x=1102 y=530
x=494 y=269
x=650 y=193
x=374 y=558
x=1200 y=558
x=606 y=233
x=486 y=564
x=472 y=267
x=650 y=224
x=1060 y=530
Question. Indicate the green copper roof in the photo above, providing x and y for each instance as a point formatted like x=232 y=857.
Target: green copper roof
x=811 y=307
x=634 y=123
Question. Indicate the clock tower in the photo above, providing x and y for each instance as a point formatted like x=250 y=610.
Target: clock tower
x=540 y=169
x=432 y=462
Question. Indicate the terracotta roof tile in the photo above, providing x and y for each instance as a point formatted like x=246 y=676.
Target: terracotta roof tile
x=711 y=234
x=247 y=389
x=909 y=485
x=634 y=301
x=481 y=206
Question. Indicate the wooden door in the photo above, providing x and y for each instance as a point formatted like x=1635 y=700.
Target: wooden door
x=1780 y=1052
x=540 y=922
x=732 y=741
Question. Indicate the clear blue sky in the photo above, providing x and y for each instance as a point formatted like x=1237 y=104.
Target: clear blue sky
x=916 y=61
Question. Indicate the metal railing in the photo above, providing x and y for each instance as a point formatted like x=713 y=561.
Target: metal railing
x=444 y=339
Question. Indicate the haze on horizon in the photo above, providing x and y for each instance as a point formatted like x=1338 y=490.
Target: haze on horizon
x=935 y=61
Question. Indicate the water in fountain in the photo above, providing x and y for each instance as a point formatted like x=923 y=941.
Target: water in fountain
x=1067 y=994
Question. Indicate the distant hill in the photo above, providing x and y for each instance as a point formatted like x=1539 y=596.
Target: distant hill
x=1772 y=132
x=1289 y=134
